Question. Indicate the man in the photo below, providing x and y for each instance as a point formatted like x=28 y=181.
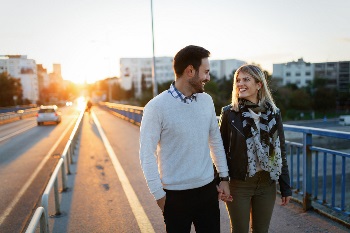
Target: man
x=179 y=141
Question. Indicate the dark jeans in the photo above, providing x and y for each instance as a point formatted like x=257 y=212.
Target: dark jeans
x=253 y=198
x=199 y=206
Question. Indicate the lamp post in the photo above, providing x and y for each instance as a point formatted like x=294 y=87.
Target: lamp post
x=154 y=80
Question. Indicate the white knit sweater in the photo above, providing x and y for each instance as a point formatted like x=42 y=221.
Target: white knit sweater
x=174 y=144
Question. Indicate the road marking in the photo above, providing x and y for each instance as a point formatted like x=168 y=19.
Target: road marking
x=17 y=132
x=32 y=177
x=136 y=207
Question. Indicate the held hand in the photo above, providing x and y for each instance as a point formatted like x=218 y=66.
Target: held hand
x=224 y=191
x=285 y=200
x=161 y=203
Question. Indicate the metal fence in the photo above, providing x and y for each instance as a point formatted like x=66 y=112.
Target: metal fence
x=319 y=174
x=17 y=115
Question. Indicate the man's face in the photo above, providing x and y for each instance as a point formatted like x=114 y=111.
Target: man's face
x=201 y=77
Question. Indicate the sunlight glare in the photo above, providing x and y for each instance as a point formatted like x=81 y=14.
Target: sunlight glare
x=81 y=103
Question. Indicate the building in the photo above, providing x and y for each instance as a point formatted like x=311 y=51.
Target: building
x=137 y=72
x=299 y=72
x=43 y=77
x=19 y=66
x=337 y=74
x=224 y=68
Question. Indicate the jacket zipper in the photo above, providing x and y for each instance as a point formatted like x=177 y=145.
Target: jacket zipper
x=237 y=130
x=229 y=148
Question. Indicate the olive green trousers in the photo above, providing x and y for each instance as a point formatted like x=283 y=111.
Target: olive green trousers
x=253 y=199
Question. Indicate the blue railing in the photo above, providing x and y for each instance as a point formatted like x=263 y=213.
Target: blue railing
x=332 y=184
x=127 y=112
x=323 y=169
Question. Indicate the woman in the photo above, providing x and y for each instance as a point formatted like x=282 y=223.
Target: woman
x=252 y=132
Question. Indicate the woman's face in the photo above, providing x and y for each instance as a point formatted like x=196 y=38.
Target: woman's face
x=247 y=87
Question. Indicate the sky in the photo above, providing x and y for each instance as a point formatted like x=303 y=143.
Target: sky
x=88 y=37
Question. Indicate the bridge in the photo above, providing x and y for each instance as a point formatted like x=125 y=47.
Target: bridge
x=91 y=180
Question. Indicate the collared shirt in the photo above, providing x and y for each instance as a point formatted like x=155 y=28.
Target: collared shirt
x=181 y=97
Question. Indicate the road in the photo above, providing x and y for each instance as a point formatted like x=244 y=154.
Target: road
x=28 y=155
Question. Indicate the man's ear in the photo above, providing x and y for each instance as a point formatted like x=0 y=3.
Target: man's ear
x=190 y=71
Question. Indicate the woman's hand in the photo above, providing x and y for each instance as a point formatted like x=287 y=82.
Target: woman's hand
x=224 y=191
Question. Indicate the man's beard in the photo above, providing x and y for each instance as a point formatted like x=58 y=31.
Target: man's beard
x=196 y=84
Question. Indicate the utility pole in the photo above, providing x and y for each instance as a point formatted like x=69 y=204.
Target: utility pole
x=154 y=80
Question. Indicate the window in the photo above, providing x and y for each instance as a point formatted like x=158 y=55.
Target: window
x=297 y=74
x=288 y=74
x=307 y=73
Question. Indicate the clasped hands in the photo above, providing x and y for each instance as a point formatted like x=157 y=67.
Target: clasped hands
x=224 y=191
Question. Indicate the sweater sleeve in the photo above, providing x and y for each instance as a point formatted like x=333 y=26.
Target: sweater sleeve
x=150 y=131
x=217 y=150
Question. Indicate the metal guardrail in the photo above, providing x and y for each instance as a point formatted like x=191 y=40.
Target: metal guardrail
x=130 y=113
x=18 y=115
x=303 y=172
x=315 y=172
x=41 y=213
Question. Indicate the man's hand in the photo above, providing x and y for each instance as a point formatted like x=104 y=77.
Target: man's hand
x=285 y=200
x=161 y=203
x=224 y=191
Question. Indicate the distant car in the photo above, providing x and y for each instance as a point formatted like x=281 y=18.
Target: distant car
x=344 y=120
x=48 y=113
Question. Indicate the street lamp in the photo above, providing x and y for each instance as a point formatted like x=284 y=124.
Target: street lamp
x=154 y=80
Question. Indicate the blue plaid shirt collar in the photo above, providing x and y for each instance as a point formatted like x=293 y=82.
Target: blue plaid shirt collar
x=181 y=97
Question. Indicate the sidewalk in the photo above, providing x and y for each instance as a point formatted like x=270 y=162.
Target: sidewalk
x=96 y=201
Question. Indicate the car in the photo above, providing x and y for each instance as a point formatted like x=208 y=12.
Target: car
x=48 y=113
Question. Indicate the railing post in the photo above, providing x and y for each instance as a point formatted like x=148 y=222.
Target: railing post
x=57 y=198
x=307 y=171
x=64 y=177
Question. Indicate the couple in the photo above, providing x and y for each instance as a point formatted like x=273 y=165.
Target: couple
x=180 y=140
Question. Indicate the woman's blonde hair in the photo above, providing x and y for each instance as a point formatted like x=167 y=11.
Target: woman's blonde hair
x=264 y=94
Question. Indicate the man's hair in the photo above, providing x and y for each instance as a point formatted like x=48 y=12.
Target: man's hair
x=190 y=55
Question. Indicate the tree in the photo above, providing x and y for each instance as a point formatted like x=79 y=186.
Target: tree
x=10 y=87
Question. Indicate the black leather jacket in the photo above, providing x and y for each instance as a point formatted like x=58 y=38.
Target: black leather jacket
x=231 y=129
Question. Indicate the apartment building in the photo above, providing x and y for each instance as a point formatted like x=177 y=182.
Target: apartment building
x=224 y=68
x=298 y=72
x=337 y=74
x=301 y=73
x=137 y=72
x=19 y=66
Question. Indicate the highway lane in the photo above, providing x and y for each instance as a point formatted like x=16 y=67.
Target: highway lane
x=28 y=154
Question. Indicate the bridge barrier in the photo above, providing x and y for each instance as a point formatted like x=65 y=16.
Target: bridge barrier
x=39 y=214
x=317 y=170
x=301 y=156
x=17 y=115
x=63 y=164
x=130 y=113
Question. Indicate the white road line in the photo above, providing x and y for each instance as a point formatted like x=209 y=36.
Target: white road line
x=136 y=207
x=17 y=132
x=32 y=177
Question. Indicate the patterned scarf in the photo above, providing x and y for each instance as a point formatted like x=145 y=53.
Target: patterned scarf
x=263 y=146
